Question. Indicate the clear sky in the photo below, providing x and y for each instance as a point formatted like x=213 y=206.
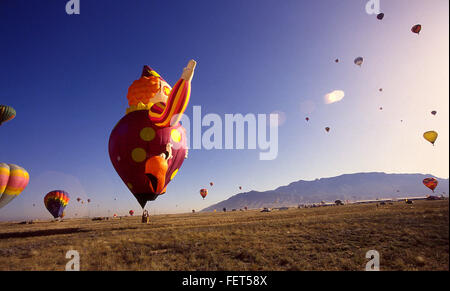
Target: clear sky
x=67 y=77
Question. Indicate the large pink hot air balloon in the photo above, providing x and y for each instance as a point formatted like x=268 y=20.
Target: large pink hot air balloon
x=13 y=180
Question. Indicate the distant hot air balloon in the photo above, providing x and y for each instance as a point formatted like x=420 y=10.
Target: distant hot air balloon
x=336 y=60
x=131 y=212
x=6 y=113
x=380 y=16
x=56 y=201
x=115 y=215
x=434 y=112
x=13 y=180
x=327 y=129
x=78 y=199
x=240 y=187
x=203 y=192
x=211 y=183
x=381 y=108
x=89 y=200
x=307 y=118
x=431 y=136
x=358 y=61
x=430 y=183
x=381 y=89
x=34 y=205
x=416 y=28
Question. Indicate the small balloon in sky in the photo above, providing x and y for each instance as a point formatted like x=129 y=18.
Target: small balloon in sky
x=380 y=16
x=416 y=28
x=434 y=112
x=336 y=60
x=358 y=61
x=335 y=96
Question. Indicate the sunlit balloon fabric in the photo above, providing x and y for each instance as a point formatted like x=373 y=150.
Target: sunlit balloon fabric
x=6 y=113
x=431 y=136
x=430 y=183
x=55 y=202
x=148 y=145
x=13 y=180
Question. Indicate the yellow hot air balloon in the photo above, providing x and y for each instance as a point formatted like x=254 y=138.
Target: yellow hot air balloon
x=431 y=136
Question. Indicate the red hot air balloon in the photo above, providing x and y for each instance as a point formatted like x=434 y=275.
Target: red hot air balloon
x=430 y=183
x=211 y=184
x=148 y=145
x=240 y=187
x=89 y=200
x=416 y=28
x=327 y=129
x=203 y=192
x=78 y=199
x=380 y=16
x=131 y=212
x=307 y=118
x=336 y=60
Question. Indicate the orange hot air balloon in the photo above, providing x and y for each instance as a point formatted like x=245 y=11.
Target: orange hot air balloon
x=430 y=183
x=203 y=192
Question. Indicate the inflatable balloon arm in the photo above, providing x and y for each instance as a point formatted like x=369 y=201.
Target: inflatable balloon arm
x=177 y=101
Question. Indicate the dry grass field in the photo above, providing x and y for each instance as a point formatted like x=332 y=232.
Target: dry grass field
x=408 y=237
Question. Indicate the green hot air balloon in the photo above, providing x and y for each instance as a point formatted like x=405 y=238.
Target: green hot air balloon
x=6 y=113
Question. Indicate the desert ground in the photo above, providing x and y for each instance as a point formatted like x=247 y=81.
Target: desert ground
x=407 y=237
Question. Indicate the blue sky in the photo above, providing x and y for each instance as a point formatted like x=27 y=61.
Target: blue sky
x=67 y=77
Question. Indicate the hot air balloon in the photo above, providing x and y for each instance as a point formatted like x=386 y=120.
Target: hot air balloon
x=380 y=16
x=131 y=212
x=431 y=136
x=358 y=61
x=381 y=89
x=381 y=108
x=89 y=200
x=434 y=112
x=55 y=202
x=336 y=60
x=416 y=28
x=13 y=180
x=148 y=145
x=240 y=187
x=78 y=199
x=327 y=129
x=203 y=192
x=6 y=113
x=430 y=183
x=211 y=184
x=307 y=118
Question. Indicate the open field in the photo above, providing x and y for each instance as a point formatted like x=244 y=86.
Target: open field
x=408 y=237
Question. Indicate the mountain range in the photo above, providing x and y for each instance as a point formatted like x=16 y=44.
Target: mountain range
x=352 y=187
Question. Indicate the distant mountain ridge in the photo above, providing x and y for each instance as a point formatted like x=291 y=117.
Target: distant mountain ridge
x=358 y=186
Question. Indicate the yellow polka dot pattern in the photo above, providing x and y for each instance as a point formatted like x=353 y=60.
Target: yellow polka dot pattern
x=138 y=155
x=147 y=134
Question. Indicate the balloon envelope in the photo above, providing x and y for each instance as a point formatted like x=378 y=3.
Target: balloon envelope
x=416 y=28
x=430 y=183
x=431 y=136
x=434 y=112
x=203 y=193
x=380 y=16
x=56 y=201
x=6 y=113
x=358 y=61
x=13 y=180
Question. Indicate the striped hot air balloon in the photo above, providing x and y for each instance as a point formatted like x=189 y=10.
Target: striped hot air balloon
x=430 y=183
x=13 y=180
x=6 y=113
x=55 y=202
